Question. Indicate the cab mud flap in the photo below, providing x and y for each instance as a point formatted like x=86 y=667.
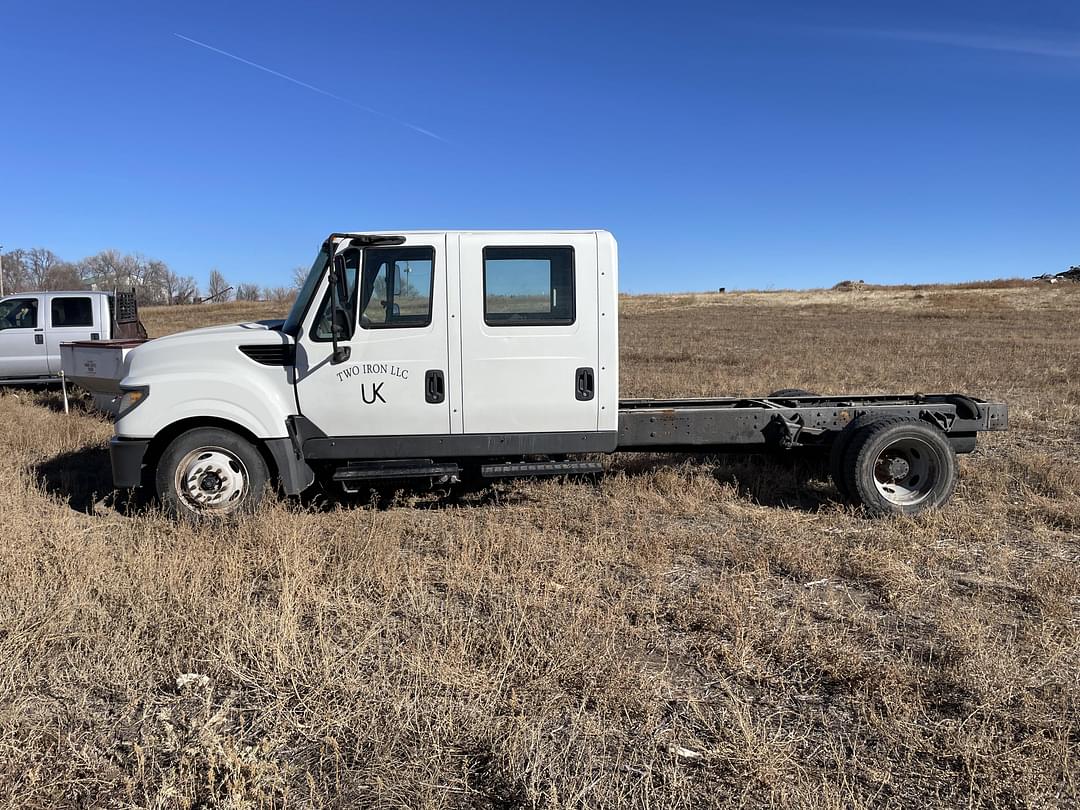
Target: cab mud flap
x=126 y=458
x=293 y=472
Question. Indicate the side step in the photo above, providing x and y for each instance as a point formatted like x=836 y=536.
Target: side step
x=374 y=470
x=530 y=469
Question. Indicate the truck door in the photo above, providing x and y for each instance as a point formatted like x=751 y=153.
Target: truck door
x=396 y=381
x=71 y=317
x=529 y=342
x=22 y=337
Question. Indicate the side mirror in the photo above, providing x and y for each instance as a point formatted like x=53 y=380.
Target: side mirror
x=341 y=282
x=339 y=314
x=343 y=329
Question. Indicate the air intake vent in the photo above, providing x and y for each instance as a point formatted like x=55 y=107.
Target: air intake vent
x=281 y=355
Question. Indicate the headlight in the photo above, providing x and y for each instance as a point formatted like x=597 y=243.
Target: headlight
x=131 y=397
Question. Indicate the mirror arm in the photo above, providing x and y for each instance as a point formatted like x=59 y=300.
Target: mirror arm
x=340 y=353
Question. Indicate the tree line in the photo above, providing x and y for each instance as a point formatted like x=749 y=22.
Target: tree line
x=152 y=279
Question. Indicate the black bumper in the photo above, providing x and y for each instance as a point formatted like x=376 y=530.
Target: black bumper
x=126 y=456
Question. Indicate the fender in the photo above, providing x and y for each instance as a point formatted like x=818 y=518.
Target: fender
x=259 y=408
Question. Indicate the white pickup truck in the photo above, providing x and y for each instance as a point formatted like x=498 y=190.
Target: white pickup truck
x=428 y=354
x=34 y=324
x=84 y=333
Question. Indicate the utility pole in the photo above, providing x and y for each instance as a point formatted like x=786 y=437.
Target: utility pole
x=1 y=271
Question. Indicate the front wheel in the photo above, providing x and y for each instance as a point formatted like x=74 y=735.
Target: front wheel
x=900 y=466
x=210 y=472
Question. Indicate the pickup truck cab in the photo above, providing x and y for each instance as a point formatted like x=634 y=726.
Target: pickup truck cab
x=426 y=354
x=34 y=324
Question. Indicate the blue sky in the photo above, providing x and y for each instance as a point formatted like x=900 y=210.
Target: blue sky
x=765 y=145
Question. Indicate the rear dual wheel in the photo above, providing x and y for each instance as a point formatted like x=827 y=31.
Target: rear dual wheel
x=894 y=465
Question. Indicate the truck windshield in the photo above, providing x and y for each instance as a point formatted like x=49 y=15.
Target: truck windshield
x=303 y=298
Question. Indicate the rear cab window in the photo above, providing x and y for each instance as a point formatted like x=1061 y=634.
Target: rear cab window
x=529 y=286
x=71 y=311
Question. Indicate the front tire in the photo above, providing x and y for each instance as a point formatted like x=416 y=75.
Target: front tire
x=210 y=472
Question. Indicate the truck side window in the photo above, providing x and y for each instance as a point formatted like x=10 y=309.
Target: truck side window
x=321 y=330
x=528 y=286
x=19 y=313
x=397 y=287
x=72 y=312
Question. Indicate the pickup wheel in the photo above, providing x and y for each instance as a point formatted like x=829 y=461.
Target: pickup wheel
x=210 y=472
x=901 y=466
x=784 y=393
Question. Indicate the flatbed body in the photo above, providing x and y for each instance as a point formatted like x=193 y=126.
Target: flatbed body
x=98 y=366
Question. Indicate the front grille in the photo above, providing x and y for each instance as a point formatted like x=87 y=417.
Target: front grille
x=281 y=355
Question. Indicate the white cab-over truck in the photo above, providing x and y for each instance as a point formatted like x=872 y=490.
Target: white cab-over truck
x=430 y=354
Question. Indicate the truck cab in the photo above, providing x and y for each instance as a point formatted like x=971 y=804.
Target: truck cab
x=411 y=346
x=34 y=324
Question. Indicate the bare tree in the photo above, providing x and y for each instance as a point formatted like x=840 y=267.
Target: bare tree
x=16 y=274
x=217 y=287
x=279 y=295
x=187 y=291
x=299 y=276
x=179 y=289
x=47 y=271
x=150 y=278
x=247 y=292
x=106 y=270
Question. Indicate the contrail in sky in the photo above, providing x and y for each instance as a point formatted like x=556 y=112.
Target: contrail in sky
x=1033 y=46
x=319 y=90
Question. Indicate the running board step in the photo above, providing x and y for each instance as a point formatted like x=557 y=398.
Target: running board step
x=400 y=469
x=522 y=469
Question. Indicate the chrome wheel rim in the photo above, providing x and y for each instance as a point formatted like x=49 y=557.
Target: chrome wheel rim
x=906 y=472
x=211 y=479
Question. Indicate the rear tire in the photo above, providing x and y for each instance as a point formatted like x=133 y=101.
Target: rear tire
x=899 y=466
x=785 y=393
x=210 y=472
x=838 y=451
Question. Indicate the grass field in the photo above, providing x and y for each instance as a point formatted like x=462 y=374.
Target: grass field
x=682 y=633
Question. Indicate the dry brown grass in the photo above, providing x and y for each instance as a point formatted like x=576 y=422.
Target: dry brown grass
x=684 y=633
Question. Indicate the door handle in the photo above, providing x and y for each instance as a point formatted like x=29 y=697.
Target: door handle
x=39 y=339
x=434 y=387
x=584 y=384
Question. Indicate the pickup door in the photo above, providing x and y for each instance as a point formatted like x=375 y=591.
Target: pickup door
x=22 y=337
x=72 y=317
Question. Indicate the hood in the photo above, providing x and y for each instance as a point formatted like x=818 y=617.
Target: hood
x=249 y=329
x=208 y=346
